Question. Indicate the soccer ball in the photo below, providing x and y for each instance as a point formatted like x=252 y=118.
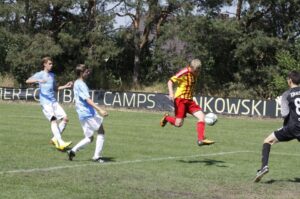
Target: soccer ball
x=210 y=119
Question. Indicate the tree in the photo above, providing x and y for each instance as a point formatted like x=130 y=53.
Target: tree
x=147 y=18
x=70 y=31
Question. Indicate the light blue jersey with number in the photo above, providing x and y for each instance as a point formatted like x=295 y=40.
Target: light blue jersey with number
x=81 y=94
x=47 y=94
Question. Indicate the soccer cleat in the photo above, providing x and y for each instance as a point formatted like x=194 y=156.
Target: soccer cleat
x=71 y=154
x=205 y=142
x=260 y=173
x=163 y=120
x=63 y=146
x=99 y=160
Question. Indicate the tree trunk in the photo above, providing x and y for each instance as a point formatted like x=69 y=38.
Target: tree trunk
x=239 y=9
x=91 y=14
x=136 y=67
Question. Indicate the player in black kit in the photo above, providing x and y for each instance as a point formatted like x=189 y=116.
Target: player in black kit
x=290 y=111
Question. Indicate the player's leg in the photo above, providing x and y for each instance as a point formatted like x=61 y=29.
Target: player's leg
x=180 y=113
x=280 y=135
x=62 y=124
x=62 y=116
x=99 y=144
x=49 y=113
x=59 y=143
x=266 y=148
x=88 y=138
x=55 y=130
x=196 y=111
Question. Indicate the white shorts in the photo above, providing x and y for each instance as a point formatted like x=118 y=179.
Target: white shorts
x=53 y=110
x=91 y=125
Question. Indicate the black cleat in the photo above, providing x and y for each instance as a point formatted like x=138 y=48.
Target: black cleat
x=71 y=154
x=260 y=173
x=99 y=160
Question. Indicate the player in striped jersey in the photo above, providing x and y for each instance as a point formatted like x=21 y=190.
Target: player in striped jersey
x=185 y=81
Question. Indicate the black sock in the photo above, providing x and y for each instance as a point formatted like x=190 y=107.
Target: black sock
x=265 y=154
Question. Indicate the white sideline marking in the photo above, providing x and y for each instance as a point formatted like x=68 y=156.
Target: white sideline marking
x=118 y=163
x=132 y=162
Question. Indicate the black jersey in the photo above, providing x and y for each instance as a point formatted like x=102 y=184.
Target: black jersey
x=290 y=106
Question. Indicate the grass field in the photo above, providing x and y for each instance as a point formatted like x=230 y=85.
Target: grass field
x=145 y=160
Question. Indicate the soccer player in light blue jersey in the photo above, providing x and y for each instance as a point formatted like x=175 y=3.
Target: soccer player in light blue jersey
x=51 y=109
x=89 y=119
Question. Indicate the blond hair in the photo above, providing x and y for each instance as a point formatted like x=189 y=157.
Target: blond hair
x=195 y=64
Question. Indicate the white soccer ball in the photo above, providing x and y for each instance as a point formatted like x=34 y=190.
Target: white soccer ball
x=211 y=119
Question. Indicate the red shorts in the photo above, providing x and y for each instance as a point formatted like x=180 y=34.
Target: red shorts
x=183 y=106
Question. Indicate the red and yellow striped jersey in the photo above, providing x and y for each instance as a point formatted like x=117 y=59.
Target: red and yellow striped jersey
x=185 y=81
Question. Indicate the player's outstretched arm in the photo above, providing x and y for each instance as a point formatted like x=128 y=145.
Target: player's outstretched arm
x=67 y=85
x=101 y=111
x=33 y=81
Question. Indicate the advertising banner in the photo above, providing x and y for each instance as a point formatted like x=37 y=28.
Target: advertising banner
x=155 y=101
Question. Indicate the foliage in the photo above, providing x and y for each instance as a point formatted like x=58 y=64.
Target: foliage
x=246 y=55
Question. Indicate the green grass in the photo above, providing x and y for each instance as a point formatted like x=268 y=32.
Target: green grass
x=147 y=161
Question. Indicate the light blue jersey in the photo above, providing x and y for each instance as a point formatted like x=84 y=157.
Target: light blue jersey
x=81 y=94
x=47 y=95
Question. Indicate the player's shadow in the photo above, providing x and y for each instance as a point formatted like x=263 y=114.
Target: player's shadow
x=108 y=159
x=206 y=162
x=105 y=159
x=295 y=180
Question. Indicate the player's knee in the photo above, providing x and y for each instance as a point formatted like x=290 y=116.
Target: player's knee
x=66 y=120
x=178 y=124
x=53 y=119
x=91 y=139
x=101 y=130
x=268 y=141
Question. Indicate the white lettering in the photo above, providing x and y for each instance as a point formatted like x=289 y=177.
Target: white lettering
x=264 y=108
x=293 y=94
x=117 y=99
x=139 y=101
x=233 y=108
x=206 y=104
x=131 y=102
x=27 y=94
x=200 y=101
x=7 y=94
x=222 y=105
x=35 y=94
x=17 y=95
x=195 y=100
x=151 y=101
x=104 y=98
x=246 y=106
x=254 y=107
x=277 y=109
x=67 y=97
x=93 y=95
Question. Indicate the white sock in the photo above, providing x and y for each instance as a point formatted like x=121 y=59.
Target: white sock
x=80 y=145
x=56 y=133
x=99 y=146
x=62 y=125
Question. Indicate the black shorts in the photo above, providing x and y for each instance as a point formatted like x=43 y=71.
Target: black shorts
x=285 y=134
